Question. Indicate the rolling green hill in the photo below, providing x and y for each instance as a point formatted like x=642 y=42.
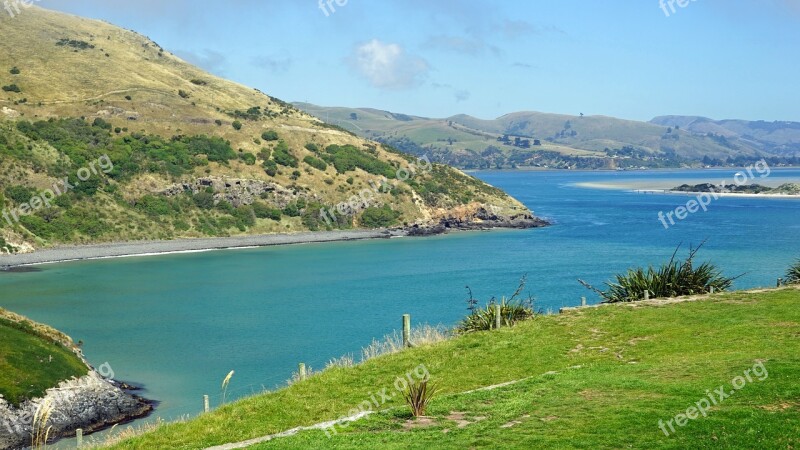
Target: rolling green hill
x=188 y=154
x=561 y=141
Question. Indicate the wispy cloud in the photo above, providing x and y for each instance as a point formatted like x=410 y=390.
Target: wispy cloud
x=275 y=64
x=387 y=65
x=207 y=59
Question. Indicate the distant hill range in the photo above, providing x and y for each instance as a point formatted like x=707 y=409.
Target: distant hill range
x=533 y=139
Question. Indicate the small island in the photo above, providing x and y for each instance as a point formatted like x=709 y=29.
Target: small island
x=749 y=189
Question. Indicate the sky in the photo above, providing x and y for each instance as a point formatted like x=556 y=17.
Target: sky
x=633 y=59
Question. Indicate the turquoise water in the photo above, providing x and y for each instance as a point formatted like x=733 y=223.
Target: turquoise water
x=179 y=323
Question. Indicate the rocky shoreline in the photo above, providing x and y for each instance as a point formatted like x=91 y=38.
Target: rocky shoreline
x=90 y=403
x=485 y=221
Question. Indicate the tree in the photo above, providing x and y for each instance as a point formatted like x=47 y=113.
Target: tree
x=237 y=125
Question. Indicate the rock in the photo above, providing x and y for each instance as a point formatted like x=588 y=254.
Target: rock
x=90 y=403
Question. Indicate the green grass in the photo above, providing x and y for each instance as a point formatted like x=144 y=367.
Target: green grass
x=30 y=363
x=593 y=378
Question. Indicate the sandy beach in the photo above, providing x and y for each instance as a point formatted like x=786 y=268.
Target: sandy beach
x=146 y=248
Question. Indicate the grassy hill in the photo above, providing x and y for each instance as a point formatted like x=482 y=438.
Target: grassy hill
x=589 y=378
x=33 y=358
x=563 y=141
x=193 y=154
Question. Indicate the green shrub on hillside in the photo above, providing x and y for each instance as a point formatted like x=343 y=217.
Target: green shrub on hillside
x=348 y=158
x=20 y=194
x=264 y=211
x=269 y=136
x=237 y=125
x=248 y=158
x=673 y=279
x=282 y=155
x=14 y=70
x=12 y=88
x=379 y=217
x=315 y=162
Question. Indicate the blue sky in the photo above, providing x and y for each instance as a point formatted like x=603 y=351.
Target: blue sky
x=626 y=58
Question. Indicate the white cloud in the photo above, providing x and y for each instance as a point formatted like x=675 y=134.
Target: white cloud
x=388 y=66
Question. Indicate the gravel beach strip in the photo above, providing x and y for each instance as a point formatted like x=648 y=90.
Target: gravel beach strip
x=120 y=249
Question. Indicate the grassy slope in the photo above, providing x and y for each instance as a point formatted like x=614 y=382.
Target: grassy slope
x=619 y=370
x=33 y=359
x=61 y=81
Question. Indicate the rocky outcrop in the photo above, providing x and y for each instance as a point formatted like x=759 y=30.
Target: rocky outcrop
x=90 y=403
x=237 y=192
x=479 y=217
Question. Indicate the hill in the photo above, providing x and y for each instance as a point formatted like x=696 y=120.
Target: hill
x=618 y=376
x=534 y=139
x=106 y=136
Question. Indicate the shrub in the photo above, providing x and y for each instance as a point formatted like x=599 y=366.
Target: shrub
x=203 y=200
x=154 y=206
x=14 y=70
x=248 y=158
x=271 y=167
x=418 y=396
x=374 y=217
x=199 y=82
x=512 y=311
x=128 y=98
x=263 y=211
x=793 y=274
x=347 y=158
x=282 y=156
x=218 y=122
x=315 y=162
x=674 y=279
x=269 y=136
x=20 y=194
x=312 y=147
x=237 y=125
x=183 y=93
x=12 y=88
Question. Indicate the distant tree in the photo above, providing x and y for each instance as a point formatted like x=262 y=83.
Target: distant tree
x=353 y=116
x=270 y=135
x=237 y=125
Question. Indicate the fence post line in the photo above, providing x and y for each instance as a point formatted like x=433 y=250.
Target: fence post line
x=79 y=437
x=206 y=406
x=780 y=281
x=406 y=330
x=301 y=369
x=583 y=301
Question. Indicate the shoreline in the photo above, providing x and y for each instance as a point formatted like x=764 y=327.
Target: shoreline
x=632 y=188
x=178 y=246
x=129 y=249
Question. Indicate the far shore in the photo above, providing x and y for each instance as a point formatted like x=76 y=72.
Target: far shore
x=643 y=188
x=148 y=248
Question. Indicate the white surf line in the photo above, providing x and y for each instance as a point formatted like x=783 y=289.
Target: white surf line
x=362 y=414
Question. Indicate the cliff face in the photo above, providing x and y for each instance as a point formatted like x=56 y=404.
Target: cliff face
x=89 y=403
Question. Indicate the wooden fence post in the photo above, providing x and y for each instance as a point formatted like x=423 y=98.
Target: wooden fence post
x=647 y=295
x=79 y=437
x=780 y=281
x=498 y=320
x=406 y=330
x=206 y=406
x=583 y=301
x=301 y=369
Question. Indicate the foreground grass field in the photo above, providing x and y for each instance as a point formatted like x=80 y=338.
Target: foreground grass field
x=591 y=378
x=33 y=360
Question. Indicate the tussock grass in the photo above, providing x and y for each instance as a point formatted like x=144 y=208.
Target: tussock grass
x=793 y=274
